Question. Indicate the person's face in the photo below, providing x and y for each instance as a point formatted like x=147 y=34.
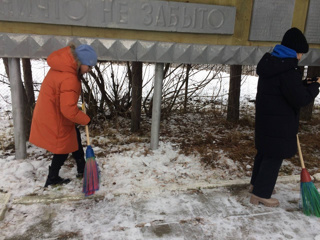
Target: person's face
x=85 y=68
x=299 y=56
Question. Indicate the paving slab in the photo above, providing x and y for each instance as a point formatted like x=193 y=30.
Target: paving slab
x=4 y=199
x=222 y=212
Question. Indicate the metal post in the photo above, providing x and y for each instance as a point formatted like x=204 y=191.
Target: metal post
x=156 y=106
x=17 y=108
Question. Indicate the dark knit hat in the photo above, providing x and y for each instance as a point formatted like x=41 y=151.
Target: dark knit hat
x=295 y=40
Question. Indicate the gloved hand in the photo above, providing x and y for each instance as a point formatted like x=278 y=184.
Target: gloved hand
x=310 y=80
x=314 y=79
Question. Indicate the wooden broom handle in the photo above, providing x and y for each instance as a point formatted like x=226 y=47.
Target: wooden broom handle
x=87 y=128
x=87 y=134
x=300 y=153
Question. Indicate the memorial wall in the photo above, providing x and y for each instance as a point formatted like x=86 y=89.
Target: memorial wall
x=195 y=31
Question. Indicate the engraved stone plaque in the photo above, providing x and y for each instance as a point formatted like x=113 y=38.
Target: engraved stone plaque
x=271 y=19
x=149 y=15
x=313 y=22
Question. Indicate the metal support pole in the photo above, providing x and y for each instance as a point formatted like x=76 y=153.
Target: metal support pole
x=17 y=108
x=156 y=106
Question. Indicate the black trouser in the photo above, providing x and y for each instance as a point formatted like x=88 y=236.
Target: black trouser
x=59 y=159
x=264 y=175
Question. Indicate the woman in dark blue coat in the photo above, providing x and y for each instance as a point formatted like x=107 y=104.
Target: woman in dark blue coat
x=280 y=95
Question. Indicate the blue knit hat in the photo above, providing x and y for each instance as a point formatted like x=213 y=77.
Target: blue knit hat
x=86 y=55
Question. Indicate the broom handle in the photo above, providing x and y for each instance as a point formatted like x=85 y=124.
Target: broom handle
x=300 y=153
x=87 y=128
x=87 y=133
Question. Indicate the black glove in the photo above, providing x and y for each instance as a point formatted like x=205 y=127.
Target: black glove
x=314 y=79
x=310 y=80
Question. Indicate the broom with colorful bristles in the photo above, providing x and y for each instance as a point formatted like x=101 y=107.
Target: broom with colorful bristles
x=91 y=170
x=309 y=193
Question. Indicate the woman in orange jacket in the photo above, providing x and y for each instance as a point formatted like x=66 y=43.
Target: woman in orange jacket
x=56 y=111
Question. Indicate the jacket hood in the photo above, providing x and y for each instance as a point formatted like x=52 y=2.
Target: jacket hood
x=281 y=51
x=271 y=65
x=64 y=60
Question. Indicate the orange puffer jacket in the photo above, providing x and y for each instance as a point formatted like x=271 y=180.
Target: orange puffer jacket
x=56 y=110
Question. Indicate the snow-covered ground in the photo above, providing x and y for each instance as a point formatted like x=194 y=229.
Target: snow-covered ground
x=144 y=194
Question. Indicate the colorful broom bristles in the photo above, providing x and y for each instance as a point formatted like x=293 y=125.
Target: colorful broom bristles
x=91 y=173
x=310 y=195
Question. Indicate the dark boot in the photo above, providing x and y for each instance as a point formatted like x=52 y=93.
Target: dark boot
x=79 y=175
x=81 y=163
x=79 y=156
x=54 y=179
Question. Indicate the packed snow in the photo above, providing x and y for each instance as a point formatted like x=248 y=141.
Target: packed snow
x=144 y=194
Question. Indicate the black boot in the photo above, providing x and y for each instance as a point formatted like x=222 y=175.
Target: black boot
x=79 y=156
x=79 y=175
x=81 y=163
x=54 y=179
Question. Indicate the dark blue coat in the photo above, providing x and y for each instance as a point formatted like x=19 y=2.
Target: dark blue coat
x=280 y=96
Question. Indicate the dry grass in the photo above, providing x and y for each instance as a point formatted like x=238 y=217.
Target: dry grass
x=216 y=135
x=207 y=134
x=310 y=145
